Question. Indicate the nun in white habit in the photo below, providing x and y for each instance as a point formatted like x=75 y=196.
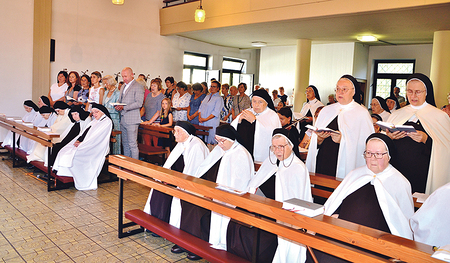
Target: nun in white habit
x=430 y=224
x=235 y=172
x=423 y=155
x=83 y=160
x=375 y=195
x=187 y=155
x=309 y=109
x=255 y=125
x=80 y=120
x=336 y=154
x=61 y=123
x=285 y=174
x=380 y=107
x=48 y=117
x=32 y=110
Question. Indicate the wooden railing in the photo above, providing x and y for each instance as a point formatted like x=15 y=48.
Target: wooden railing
x=343 y=239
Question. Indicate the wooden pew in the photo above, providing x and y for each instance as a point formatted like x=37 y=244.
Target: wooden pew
x=157 y=131
x=356 y=243
x=331 y=183
x=40 y=137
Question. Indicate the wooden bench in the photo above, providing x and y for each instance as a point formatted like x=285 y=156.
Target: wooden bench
x=181 y=238
x=343 y=239
x=156 y=131
x=202 y=131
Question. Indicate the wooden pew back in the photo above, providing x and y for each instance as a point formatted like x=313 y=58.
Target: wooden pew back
x=357 y=243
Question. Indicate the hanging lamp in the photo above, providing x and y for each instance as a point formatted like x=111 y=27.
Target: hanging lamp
x=200 y=14
x=118 y=2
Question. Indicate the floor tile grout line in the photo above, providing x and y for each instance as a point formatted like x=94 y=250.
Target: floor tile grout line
x=12 y=247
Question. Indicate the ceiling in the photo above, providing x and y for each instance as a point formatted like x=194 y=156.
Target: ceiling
x=398 y=27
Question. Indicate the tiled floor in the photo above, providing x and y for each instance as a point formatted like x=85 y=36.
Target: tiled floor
x=70 y=225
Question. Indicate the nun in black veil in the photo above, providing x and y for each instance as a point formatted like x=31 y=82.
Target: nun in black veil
x=309 y=108
x=255 y=125
x=423 y=155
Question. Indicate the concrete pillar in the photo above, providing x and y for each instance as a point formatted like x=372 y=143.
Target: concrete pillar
x=302 y=67
x=42 y=30
x=440 y=65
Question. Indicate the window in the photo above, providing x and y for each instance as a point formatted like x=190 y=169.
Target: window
x=389 y=74
x=231 y=70
x=194 y=67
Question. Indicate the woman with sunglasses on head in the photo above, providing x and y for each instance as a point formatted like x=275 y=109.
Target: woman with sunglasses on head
x=375 y=195
x=337 y=153
x=426 y=163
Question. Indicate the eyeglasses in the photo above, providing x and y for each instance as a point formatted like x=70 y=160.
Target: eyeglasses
x=277 y=148
x=415 y=92
x=309 y=91
x=220 y=141
x=344 y=90
x=368 y=155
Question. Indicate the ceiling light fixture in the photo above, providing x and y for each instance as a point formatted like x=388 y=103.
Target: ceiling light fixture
x=259 y=44
x=118 y=2
x=200 y=14
x=367 y=38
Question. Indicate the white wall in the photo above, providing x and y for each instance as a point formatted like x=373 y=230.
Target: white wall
x=277 y=68
x=112 y=37
x=328 y=63
x=16 y=56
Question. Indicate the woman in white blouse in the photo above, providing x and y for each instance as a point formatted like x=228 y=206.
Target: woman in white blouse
x=58 y=90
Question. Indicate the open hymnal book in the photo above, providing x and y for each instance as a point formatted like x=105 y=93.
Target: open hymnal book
x=68 y=98
x=118 y=104
x=230 y=190
x=314 y=128
x=442 y=253
x=393 y=128
x=303 y=207
x=421 y=197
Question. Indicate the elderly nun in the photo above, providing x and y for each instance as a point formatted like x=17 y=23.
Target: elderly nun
x=46 y=119
x=283 y=176
x=375 y=195
x=229 y=165
x=83 y=160
x=336 y=154
x=309 y=109
x=380 y=107
x=255 y=125
x=424 y=154
x=80 y=120
x=59 y=126
x=187 y=155
x=32 y=110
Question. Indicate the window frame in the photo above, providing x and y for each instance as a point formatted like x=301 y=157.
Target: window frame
x=192 y=67
x=392 y=76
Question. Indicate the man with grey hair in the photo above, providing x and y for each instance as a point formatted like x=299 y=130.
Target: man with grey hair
x=132 y=95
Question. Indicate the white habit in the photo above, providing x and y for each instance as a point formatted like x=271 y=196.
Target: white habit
x=355 y=125
x=393 y=192
x=266 y=122
x=235 y=171
x=194 y=151
x=431 y=223
x=85 y=162
x=290 y=182
x=437 y=124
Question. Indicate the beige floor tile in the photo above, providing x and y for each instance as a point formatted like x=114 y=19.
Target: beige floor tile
x=164 y=252
x=7 y=252
x=81 y=248
x=151 y=242
x=32 y=245
x=67 y=236
x=22 y=234
x=100 y=256
x=54 y=226
x=126 y=250
x=16 y=222
x=47 y=255
x=148 y=257
x=96 y=229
